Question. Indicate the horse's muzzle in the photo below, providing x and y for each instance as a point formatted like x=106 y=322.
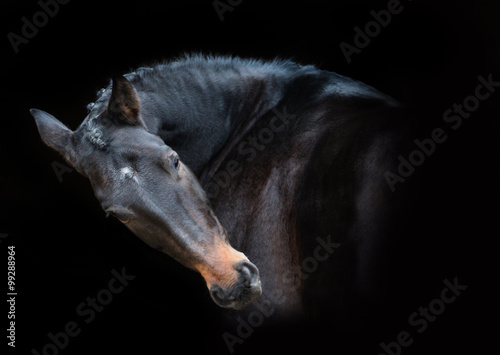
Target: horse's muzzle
x=243 y=292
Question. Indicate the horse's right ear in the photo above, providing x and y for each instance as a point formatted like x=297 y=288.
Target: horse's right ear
x=55 y=134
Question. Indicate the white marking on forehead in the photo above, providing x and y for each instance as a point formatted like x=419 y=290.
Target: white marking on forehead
x=128 y=173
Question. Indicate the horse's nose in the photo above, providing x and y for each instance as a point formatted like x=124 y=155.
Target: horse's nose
x=248 y=274
x=243 y=292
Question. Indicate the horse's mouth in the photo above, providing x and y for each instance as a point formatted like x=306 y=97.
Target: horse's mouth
x=246 y=295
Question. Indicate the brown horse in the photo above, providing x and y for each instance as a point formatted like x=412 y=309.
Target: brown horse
x=291 y=157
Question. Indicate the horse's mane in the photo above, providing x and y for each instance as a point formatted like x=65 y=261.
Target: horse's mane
x=188 y=74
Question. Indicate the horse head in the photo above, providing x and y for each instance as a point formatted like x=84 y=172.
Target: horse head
x=143 y=182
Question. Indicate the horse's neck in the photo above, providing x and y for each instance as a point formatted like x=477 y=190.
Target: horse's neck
x=199 y=119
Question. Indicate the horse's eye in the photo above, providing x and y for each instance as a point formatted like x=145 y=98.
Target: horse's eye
x=176 y=162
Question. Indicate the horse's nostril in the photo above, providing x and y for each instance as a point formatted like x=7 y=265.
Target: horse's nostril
x=219 y=297
x=245 y=272
x=249 y=273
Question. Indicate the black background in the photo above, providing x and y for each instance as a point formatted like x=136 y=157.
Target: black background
x=429 y=57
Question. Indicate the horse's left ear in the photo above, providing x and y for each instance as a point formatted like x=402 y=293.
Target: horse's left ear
x=124 y=105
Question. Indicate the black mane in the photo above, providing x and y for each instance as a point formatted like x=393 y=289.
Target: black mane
x=199 y=91
x=196 y=103
x=193 y=69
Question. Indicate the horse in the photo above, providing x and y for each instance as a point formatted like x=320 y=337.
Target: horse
x=265 y=176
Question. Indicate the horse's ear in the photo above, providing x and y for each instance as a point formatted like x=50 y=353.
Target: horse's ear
x=55 y=134
x=124 y=105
